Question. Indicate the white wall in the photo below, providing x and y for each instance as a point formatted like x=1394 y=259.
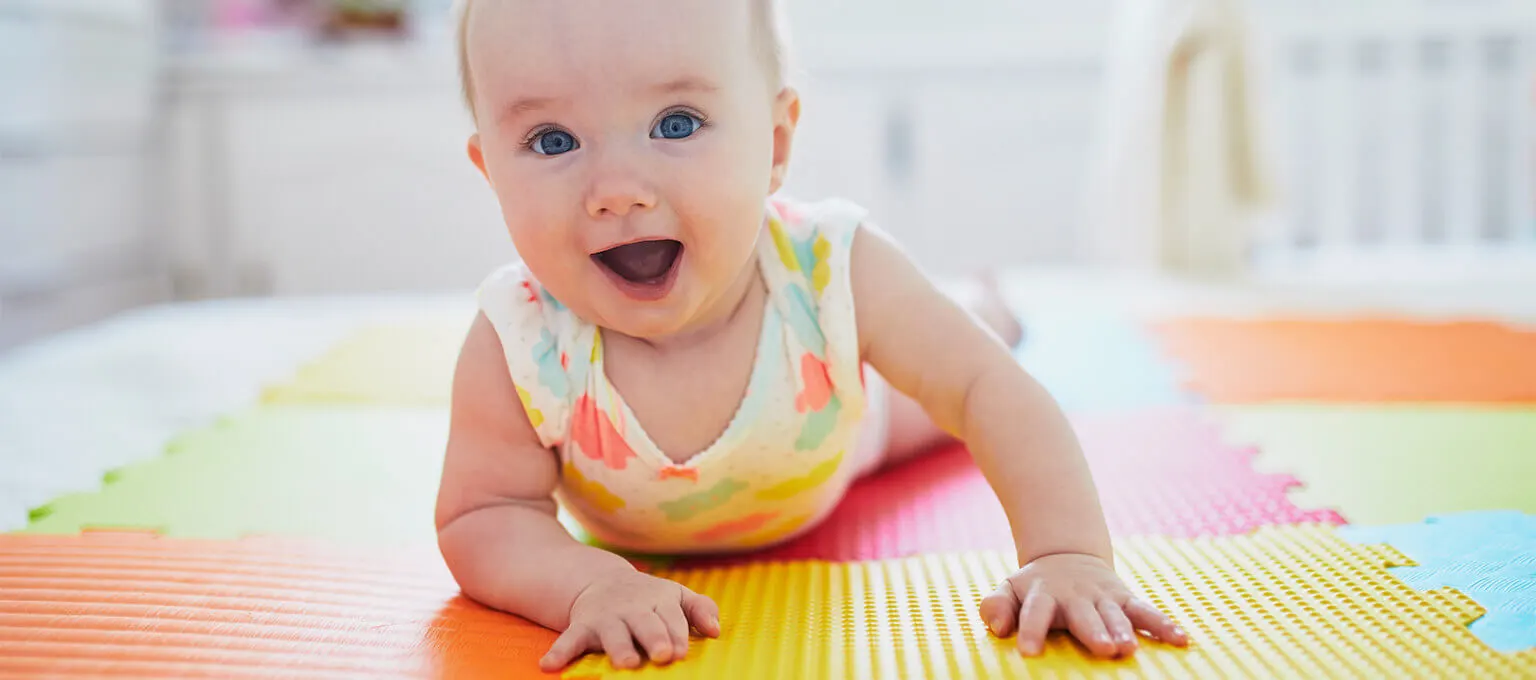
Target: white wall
x=76 y=86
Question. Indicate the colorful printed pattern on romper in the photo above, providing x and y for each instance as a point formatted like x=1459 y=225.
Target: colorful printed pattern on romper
x=736 y=527
x=546 y=353
x=817 y=401
x=595 y=493
x=690 y=506
x=808 y=255
x=816 y=477
x=593 y=431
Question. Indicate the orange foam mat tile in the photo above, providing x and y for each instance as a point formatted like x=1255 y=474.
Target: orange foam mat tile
x=1362 y=360
x=137 y=605
x=1283 y=602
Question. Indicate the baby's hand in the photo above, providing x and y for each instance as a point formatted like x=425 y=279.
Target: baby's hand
x=1079 y=593
x=613 y=614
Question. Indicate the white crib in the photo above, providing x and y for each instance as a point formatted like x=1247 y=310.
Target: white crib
x=1404 y=137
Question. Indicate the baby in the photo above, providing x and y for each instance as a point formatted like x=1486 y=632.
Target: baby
x=692 y=364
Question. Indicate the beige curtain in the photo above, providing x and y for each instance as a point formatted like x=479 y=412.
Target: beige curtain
x=1181 y=174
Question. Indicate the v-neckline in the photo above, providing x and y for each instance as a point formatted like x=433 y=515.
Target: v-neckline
x=634 y=432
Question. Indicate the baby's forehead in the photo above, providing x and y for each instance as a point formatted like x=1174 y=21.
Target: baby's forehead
x=528 y=43
x=582 y=30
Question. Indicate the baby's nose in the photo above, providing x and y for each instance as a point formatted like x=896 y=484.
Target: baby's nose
x=619 y=191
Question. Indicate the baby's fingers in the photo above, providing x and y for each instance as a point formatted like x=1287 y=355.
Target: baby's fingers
x=1035 y=621
x=619 y=643
x=575 y=641
x=703 y=612
x=677 y=627
x=1087 y=626
x=651 y=632
x=1121 y=634
x=1000 y=610
x=1146 y=617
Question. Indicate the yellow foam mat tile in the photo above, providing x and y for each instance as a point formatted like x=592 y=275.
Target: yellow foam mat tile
x=1395 y=464
x=409 y=365
x=1284 y=602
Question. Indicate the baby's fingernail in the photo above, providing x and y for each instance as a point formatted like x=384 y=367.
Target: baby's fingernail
x=996 y=626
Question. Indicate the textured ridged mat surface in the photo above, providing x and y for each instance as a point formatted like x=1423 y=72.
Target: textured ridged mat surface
x=1364 y=360
x=1285 y=602
x=1488 y=556
x=136 y=605
x=1294 y=602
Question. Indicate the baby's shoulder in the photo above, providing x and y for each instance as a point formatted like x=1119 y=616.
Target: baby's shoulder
x=520 y=308
x=830 y=216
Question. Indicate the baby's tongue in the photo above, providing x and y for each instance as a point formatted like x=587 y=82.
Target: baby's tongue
x=642 y=262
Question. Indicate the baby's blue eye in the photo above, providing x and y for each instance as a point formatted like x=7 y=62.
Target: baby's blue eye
x=677 y=126
x=554 y=143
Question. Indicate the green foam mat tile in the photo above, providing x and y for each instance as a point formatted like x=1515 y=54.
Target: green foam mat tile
x=346 y=474
x=1396 y=464
x=363 y=475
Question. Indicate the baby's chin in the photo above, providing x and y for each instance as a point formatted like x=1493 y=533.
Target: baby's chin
x=651 y=321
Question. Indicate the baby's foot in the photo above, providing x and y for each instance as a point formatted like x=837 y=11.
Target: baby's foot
x=990 y=305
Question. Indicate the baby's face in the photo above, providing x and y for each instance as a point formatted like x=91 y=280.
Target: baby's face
x=631 y=146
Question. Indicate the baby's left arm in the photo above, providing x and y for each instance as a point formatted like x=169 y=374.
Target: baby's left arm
x=927 y=346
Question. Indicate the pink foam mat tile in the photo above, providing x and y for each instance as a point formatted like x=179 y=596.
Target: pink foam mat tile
x=1163 y=471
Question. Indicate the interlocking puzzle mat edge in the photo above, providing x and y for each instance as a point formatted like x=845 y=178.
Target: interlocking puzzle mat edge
x=1293 y=601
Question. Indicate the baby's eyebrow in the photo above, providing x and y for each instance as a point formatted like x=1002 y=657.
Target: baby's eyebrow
x=527 y=105
x=687 y=84
x=693 y=84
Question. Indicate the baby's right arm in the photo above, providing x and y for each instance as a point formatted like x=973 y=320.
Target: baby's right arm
x=499 y=535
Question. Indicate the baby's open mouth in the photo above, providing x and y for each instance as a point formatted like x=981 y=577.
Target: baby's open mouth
x=642 y=262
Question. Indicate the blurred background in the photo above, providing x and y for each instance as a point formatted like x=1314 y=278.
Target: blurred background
x=175 y=150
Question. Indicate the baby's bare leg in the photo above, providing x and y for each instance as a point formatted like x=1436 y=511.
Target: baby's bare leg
x=909 y=430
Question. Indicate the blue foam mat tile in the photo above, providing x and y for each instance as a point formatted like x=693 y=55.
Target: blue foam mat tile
x=1489 y=556
x=1098 y=362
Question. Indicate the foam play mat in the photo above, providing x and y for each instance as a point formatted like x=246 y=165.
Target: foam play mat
x=1394 y=463
x=406 y=365
x=1367 y=360
x=1308 y=498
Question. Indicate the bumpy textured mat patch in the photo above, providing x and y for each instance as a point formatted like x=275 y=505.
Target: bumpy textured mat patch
x=1488 y=556
x=135 y=605
x=1395 y=464
x=1370 y=360
x=1296 y=602
x=1159 y=471
x=410 y=365
x=351 y=475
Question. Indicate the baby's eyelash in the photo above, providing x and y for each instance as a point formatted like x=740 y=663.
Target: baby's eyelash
x=703 y=119
x=534 y=134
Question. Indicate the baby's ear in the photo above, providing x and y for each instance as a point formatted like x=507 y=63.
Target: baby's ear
x=477 y=156
x=786 y=116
